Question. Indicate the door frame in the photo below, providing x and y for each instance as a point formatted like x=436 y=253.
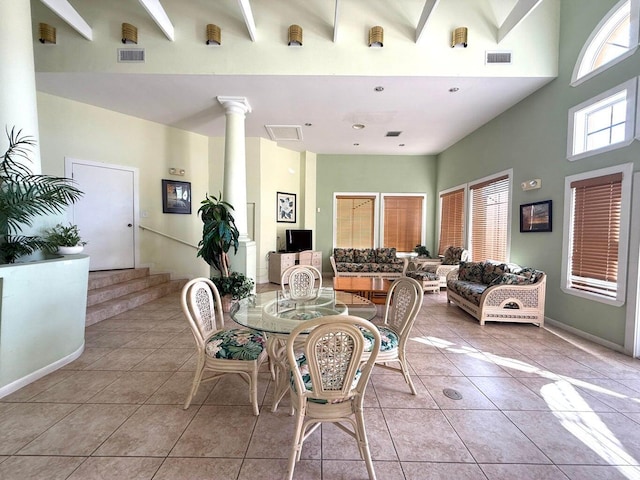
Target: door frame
x=68 y=172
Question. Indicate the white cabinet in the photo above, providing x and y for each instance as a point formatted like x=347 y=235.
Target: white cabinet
x=279 y=262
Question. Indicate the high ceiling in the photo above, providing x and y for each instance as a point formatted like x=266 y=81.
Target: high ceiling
x=317 y=102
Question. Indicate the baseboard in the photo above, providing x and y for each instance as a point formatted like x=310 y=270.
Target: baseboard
x=586 y=336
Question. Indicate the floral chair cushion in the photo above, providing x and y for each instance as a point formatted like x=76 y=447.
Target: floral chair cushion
x=422 y=275
x=236 y=344
x=343 y=255
x=455 y=255
x=301 y=360
x=388 y=337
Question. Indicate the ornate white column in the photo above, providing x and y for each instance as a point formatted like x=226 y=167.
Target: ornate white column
x=235 y=180
x=18 y=105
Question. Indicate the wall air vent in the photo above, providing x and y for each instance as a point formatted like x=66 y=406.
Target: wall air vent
x=393 y=134
x=131 y=55
x=498 y=58
x=279 y=133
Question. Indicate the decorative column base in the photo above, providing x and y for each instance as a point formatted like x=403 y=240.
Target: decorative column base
x=245 y=260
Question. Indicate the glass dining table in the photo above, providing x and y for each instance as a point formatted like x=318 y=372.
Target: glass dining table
x=276 y=315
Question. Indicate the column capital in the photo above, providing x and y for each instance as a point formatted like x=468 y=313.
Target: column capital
x=235 y=104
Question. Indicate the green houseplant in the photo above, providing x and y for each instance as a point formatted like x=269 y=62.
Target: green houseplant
x=64 y=236
x=422 y=251
x=219 y=235
x=25 y=196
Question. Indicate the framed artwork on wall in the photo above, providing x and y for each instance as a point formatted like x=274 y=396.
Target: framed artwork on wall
x=286 y=207
x=176 y=197
x=535 y=217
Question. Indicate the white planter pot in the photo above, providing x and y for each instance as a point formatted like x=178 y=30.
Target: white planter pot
x=70 y=250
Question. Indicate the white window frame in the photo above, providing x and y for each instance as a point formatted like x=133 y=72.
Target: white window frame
x=423 y=232
x=600 y=34
x=623 y=245
x=465 y=188
x=576 y=131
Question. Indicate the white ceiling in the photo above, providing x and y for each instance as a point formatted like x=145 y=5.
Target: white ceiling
x=430 y=117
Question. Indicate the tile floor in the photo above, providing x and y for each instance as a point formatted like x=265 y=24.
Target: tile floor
x=536 y=404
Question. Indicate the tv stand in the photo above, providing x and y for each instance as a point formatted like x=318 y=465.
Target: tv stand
x=279 y=262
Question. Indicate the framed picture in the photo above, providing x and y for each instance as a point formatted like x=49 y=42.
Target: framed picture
x=286 y=207
x=535 y=217
x=176 y=197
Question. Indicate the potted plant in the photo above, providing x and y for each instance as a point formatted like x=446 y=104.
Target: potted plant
x=219 y=235
x=65 y=239
x=25 y=196
x=422 y=251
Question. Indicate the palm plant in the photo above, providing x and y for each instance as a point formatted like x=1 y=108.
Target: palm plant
x=219 y=233
x=24 y=196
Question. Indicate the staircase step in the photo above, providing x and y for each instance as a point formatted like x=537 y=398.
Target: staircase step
x=110 y=277
x=111 y=308
x=112 y=291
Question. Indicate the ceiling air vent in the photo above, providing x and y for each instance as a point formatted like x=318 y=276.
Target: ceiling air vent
x=393 y=134
x=131 y=55
x=494 y=58
x=279 y=133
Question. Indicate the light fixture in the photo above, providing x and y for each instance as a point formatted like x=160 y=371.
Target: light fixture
x=453 y=89
x=378 y=89
x=47 y=33
x=177 y=171
x=129 y=33
x=376 y=36
x=357 y=126
x=295 y=36
x=531 y=184
x=459 y=37
x=213 y=35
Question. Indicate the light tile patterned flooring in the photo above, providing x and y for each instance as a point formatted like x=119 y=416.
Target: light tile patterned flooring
x=536 y=404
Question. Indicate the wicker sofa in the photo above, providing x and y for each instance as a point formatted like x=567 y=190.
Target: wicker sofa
x=494 y=292
x=367 y=262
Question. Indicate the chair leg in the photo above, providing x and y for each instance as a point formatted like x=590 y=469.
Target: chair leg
x=253 y=387
x=196 y=383
x=363 y=444
x=405 y=371
x=296 y=448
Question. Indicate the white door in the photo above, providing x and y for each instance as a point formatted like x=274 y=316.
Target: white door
x=105 y=213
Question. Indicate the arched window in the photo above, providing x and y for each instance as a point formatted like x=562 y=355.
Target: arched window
x=614 y=39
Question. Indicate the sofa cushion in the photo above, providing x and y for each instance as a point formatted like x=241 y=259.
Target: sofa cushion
x=353 y=267
x=364 y=255
x=531 y=273
x=491 y=271
x=386 y=255
x=470 y=272
x=343 y=255
x=471 y=291
x=511 y=279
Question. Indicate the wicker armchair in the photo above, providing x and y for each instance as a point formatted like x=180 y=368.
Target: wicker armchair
x=304 y=282
x=329 y=378
x=451 y=260
x=220 y=351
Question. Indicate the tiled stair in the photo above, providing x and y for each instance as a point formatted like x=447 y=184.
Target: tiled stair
x=116 y=291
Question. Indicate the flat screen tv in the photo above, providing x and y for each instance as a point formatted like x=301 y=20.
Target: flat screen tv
x=298 y=240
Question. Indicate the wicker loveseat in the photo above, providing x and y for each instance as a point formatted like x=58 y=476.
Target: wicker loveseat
x=494 y=292
x=367 y=262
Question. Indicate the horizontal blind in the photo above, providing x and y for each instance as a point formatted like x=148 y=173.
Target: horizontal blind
x=597 y=204
x=402 y=222
x=451 y=220
x=489 y=214
x=354 y=221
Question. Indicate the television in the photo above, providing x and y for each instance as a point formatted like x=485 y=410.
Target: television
x=298 y=240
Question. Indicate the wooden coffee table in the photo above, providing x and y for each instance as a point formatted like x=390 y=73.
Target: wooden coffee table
x=372 y=288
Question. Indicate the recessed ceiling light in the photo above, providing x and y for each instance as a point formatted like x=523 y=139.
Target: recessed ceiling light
x=357 y=126
x=454 y=89
x=379 y=89
x=401 y=144
x=356 y=144
x=308 y=124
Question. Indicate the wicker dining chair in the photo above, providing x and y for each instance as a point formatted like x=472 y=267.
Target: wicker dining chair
x=304 y=282
x=220 y=351
x=329 y=378
x=401 y=309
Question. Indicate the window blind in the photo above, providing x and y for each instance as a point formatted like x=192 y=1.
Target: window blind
x=597 y=204
x=355 y=221
x=451 y=220
x=489 y=216
x=402 y=222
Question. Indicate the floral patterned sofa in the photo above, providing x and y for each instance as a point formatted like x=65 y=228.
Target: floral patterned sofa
x=367 y=262
x=498 y=292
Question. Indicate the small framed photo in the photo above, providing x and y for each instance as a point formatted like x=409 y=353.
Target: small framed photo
x=176 y=197
x=286 y=207
x=535 y=217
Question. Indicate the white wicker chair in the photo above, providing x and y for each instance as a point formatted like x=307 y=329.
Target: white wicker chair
x=304 y=282
x=202 y=306
x=328 y=379
x=402 y=307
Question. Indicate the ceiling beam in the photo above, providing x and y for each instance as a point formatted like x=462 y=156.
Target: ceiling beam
x=335 y=23
x=519 y=12
x=427 y=10
x=159 y=16
x=248 y=18
x=66 y=12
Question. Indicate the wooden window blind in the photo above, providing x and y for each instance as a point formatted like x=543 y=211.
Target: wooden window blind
x=451 y=220
x=402 y=222
x=489 y=217
x=595 y=227
x=355 y=221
